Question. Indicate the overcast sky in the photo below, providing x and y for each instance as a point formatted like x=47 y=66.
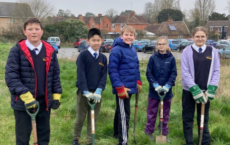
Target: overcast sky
x=101 y=6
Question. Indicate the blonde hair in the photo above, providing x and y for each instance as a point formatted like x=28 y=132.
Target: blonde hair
x=164 y=38
x=128 y=29
x=199 y=28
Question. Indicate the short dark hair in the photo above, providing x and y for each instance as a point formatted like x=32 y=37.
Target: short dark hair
x=32 y=21
x=94 y=31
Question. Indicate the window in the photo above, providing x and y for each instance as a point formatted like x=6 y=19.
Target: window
x=211 y=28
x=107 y=26
x=122 y=25
x=219 y=29
x=180 y=36
x=92 y=25
x=113 y=26
x=165 y=36
x=226 y=28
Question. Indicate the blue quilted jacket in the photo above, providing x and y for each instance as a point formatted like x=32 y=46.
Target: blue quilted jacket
x=124 y=66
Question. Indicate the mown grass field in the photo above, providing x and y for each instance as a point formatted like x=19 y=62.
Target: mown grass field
x=62 y=119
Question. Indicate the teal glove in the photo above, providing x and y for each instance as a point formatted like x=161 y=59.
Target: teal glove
x=197 y=94
x=157 y=87
x=166 y=88
x=211 y=92
x=97 y=95
x=88 y=95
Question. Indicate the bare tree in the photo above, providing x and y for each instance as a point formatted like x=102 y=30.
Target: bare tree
x=204 y=8
x=170 y=4
x=148 y=12
x=40 y=8
x=228 y=6
x=111 y=13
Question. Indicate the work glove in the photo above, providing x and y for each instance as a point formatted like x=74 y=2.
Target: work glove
x=139 y=86
x=97 y=95
x=166 y=88
x=197 y=94
x=157 y=87
x=122 y=92
x=211 y=92
x=88 y=95
x=56 y=101
x=28 y=100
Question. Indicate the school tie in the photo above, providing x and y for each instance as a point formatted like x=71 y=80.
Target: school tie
x=200 y=50
x=34 y=50
x=95 y=55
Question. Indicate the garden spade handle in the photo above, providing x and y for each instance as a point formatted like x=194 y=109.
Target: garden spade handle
x=92 y=121
x=161 y=111
x=34 y=126
x=202 y=122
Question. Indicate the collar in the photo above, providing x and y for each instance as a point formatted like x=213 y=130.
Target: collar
x=93 y=51
x=197 y=48
x=31 y=47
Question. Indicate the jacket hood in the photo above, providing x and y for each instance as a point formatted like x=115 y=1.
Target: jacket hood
x=119 y=42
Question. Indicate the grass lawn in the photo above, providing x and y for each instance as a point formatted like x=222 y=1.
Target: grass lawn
x=62 y=119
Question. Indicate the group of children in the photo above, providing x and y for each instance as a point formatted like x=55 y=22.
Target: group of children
x=32 y=76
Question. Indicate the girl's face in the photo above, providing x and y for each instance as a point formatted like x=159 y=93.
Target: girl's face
x=162 y=45
x=200 y=38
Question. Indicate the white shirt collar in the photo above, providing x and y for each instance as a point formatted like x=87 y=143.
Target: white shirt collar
x=31 y=47
x=93 y=51
x=197 y=48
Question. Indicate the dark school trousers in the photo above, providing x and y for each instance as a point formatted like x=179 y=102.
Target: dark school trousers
x=188 y=104
x=152 y=111
x=82 y=110
x=121 y=119
x=23 y=125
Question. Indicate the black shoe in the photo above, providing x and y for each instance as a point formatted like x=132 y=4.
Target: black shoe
x=75 y=142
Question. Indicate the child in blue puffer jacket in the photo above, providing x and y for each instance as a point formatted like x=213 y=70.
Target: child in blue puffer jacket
x=125 y=78
x=161 y=74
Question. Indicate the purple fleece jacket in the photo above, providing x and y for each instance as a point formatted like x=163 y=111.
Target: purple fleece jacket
x=187 y=68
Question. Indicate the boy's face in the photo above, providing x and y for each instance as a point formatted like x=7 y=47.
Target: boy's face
x=95 y=42
x=128 y=37
x=33 y=32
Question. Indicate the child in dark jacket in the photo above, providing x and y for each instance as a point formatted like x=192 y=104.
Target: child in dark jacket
x=91 y=81
x=125 y=78
x=32 y=76
x=161 y=74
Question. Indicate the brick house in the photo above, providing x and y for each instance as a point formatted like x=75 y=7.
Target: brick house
x=138 y=22
x=100 y=22
x=220 y=27
x=12 y=14
x=170 y=29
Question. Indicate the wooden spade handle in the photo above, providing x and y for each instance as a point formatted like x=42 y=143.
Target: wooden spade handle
x=34 y=132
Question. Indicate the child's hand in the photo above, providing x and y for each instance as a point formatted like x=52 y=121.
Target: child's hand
x=157 y=87
x=97 y=95
x=122 y=92
x=139 y=86
x=166 y=88
x=88 y=95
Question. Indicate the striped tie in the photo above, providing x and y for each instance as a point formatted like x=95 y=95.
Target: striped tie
x=95 y=55
x=200 y=50
x=34 y=50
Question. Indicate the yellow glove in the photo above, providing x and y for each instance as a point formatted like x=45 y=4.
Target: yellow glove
x=28 y=100
x=57 y=97
x=56 y=101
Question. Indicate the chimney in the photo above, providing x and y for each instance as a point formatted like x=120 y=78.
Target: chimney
x=99 y=15
x=155 y=22
x=132 y=13
x=169 y=21
x=80 y=15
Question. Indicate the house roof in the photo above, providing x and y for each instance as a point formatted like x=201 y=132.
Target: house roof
x=8 y=9
x=97 y=19
x=181 y=28
x=128 y=19
x=153 y=28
